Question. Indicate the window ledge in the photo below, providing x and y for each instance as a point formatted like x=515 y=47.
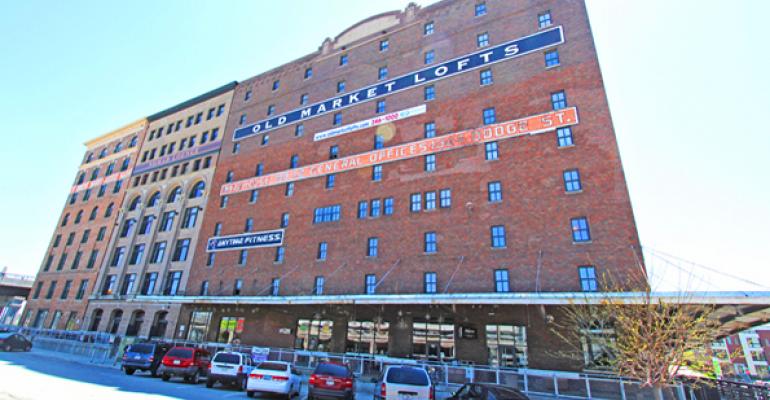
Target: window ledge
x=499 y=248
x=583 y=242
x=553 y=66
x=566 y=147
x=574 y=192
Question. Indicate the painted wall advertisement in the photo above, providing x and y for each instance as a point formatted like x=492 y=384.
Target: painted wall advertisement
x=378 y=120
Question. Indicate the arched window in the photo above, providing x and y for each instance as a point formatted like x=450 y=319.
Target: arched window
x=103 y=153
x=79 y=216
x=133 y=142
x=65 y=219
x=108 y=212
x=118 y=147
x=175 y=195
x=135 y=203
x=89 y=157
x=93 y=214
x=154 y=200
x=197 y=190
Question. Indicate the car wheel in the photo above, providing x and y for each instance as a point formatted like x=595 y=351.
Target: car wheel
x=165 y=377
x=250 y=394
x=129 y=371
x=195 y=378
x=209 y=383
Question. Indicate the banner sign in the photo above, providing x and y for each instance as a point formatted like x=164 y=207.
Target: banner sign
x=259 y=354
x=245 y=241
x=101 y=181
x=525 y=126
x=177 y=157
x=378 y=120
x=506 y=51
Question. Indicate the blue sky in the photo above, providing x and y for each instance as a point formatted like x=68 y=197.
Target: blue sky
x=686 y=81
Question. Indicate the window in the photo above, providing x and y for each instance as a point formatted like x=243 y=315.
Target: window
x=572 y=181
x=551 y=58
x=237 y=287
x=370 y=284
x=220 y=109
x=254 y=196
x=136 y=254
x=158 y=252
x=38 y=288
x=92 y=259
x=81 y=289
x=86 y=233
x=430 y=163
x=154 y=200
x=176 y=194
x=485 y=77
x=323 y=214
x=544 y=19
x=334 y=152
x=271 y=109
x=430 y=130
x=384 y=45
x=379 y=142
x=362 y=207
x=73 y=198
x=388 y=206
x=587 y=275
x=299 y=130
x=490 y=151
x=128 y=284
x=377 y=173
x=337 y=119
x=205 y=287
x=430 y=201
x=580 y=231
x=371 y=248
x=322 y=247
x=445 y=198
x=100 y=235
x=275 y=286
x=289 y=189
x=236 y=147
x=150 y=279
x=415 y=202
x=382 y=73
x=502 y=284
x=564 y=137
x=558 y=100
x=109 y=284
x=190 y=120
x=190 y=217
x=210 y=259
x=249 y=225
x=343 y=59
x=173 y=280
x=482 y=39
x=428 y=28
x=489 y=116
x=181 y=249
x=243 y=257
x=284 y=220
x=279 y=254
x=294 y=161
x=223 y=201
x=265 y=139
x=70 y=238
x=498 y=236
x=430 y=242
x=429 y=93
x=494 y=192
x=304 y=99
x=76 y=260
x=380 y=106
x=117 y=256
x=429 y=282
x=197 y=190
x=103 y=189
x=308 y=73
x=167 y=221
x=340 y=86
x=118 y=185
x=276 y=84
x=430 y=56
x=481 y=9
x=318 y=287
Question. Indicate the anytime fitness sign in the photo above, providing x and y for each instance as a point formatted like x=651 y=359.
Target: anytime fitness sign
x=525 y=126
x=506 y=51
x=245 y=241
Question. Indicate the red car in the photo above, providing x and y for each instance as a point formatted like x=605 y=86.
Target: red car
x=188 y=362
x=331 y=380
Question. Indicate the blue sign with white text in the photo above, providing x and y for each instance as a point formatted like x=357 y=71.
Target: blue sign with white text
x=246 y=241
x=505 y=51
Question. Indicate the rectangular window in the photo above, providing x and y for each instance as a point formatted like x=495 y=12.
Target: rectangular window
x=337 y=119
x=38 y=288
x=167 y=221
x=128 y=284
x=384 y=45
x=236 y=147
x=190 y=217
x=379 y=142
x=76 y=260
x=482 y=39
x=362 y=207
x=65 y=291
x=322 y=251
x=284 y=220
x=580 y=231
x=248 y=225
x=371 y=247
x=430 y=201
x=428 y=28
x=481 y=9
x=430 y=130
x=117 y=256
x=173 y=280
x=502 y=285
x=430 y=242
x=334 y=152
x=558 y=100
x=289 y=189
x=275 y=287
x=146 y=225
x=544 y=19
x=340 y=86
x=494 y=192
x=377 y=173
x=265 y=139
x=308 y=73
x=330 y=181
x=572 y=181
x=430 y=163
x=210 y=259
x=92 y=259
x=498 y=236
x=241 y=121
x=429 y=282
x=137 y=254
x=81 y=289
x=276 y=84
x=325 y=214
x=485 y=77
x=587 y=278
x=304 y=99
x=489 y=116
x=382 y=73
x=370 y=284
x=375 y=208
x=490 y=151
x=243 y=257
x=204 y=288
x=343 y=59
x=148 y=286
x=318 y=288
x=564 y=137
x=279 y=254
x=181 y=250
x=109 y=285
x=158 y=252
x=415 y=202
x=271 y=109
x=430 y=56
x=380 y=107
x=254 y=196
x=445 y=198
x=551 y=58
x=299 y=130
x=430 y=93
x=62 y=260
x=388 y=206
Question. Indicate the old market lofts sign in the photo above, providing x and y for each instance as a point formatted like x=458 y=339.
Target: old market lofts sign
x=518 y=127
x=245 y=241
x=506 y=51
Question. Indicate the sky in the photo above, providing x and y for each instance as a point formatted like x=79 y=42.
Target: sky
x=686 y=82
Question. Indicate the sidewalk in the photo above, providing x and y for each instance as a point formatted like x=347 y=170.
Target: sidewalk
x=77 y=358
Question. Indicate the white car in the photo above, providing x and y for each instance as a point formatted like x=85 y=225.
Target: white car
x=229 y=368
x=404 y=382
x=274 y=377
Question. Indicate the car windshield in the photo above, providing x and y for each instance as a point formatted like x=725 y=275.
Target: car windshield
x=227 y=358
x=180 y=353
x=141 y=348
x=271 y=366
x=331 y=369
x=408 y=376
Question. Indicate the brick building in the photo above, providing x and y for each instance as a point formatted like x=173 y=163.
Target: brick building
x=374 y=197
x=744 y=353
x=68 y=273
x=151 y=242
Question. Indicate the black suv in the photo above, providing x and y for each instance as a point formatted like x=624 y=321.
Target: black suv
x=144 y=357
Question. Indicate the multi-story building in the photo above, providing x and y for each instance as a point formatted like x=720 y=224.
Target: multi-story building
x=744 y=353
x=411 y=188
x=151 y=243
x=79 y=243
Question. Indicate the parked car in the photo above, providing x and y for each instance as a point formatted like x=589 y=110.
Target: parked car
x=229 y=368
x=331 y=380
x=487 y=391
x=188 y=362
x=404 y=382
x=144 y=357
x=10 y=341
x=274 y=377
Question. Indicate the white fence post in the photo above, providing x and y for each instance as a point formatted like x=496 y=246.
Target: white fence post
x=622 y=389
x=555 y=385
x=588 y=387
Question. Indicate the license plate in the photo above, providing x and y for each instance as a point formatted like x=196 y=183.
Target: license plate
x=267 y=378
x=330 y=382
x=137 y=357
x=177 y=362
x=406 y=396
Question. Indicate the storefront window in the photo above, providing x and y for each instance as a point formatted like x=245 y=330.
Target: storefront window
x=597 y=347
x=507 y=345
x=230 y=329
x=433 y=340
x=199 y=326
x=367 y=337
x=315 y=334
